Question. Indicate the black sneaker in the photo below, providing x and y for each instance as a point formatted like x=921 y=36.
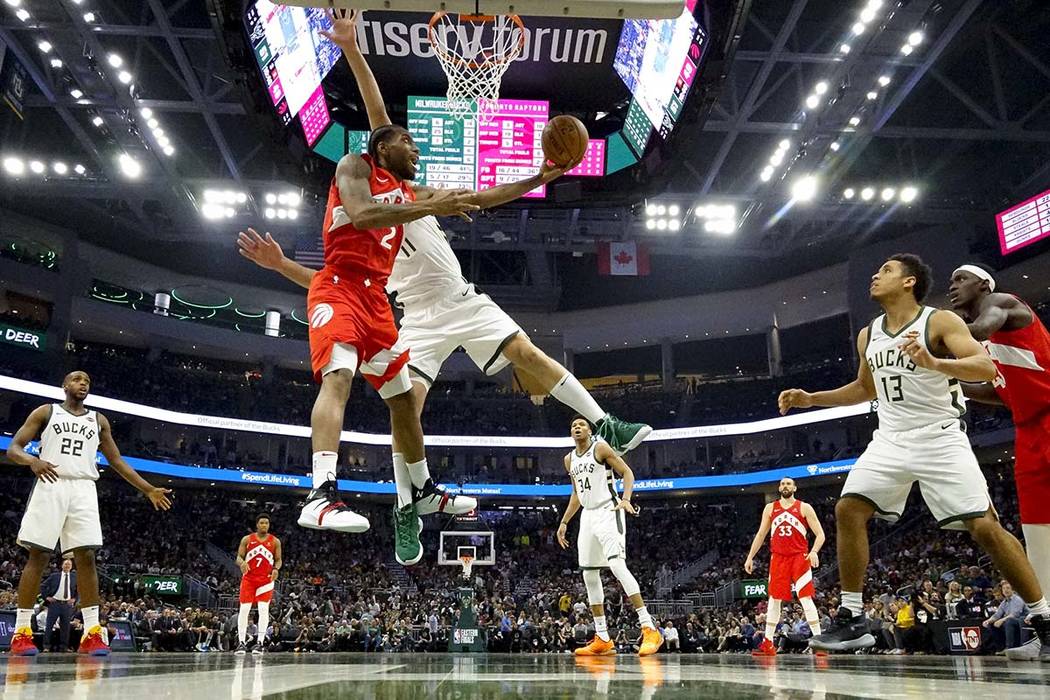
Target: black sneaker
x=847 y=633
x=242 y=649
x=432 y=498
x=1037 y=648
x=324 y=511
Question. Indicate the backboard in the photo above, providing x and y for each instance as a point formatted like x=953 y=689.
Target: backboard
x=609 y=9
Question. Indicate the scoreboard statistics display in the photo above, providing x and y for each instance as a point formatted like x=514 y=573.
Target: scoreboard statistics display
x=1024 y=224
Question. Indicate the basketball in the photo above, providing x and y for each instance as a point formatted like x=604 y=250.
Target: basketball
x=564 y=140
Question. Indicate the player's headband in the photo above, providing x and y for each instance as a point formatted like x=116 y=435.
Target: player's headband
x=978 y=272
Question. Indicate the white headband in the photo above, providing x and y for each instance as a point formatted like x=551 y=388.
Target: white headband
x=979 y=273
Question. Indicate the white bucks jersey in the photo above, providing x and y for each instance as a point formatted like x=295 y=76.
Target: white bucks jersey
x=425 y=264
x=909 y=396
x=70 y=443
x=594 y=481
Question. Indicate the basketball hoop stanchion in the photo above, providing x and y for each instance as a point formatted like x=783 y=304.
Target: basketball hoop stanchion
x=475 y=51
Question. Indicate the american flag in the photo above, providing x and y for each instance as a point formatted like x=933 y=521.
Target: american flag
x=309 y=250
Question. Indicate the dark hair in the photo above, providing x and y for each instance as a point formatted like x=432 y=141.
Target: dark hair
x=382 y=135
x=579 y=417
x=262 y=516
x=915 y=267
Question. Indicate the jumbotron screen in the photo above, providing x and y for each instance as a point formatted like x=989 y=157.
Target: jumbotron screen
x=1025 y=223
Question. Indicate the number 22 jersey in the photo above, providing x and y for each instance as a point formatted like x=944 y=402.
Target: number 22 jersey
x=70 y=442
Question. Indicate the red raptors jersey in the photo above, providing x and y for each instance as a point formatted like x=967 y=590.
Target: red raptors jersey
x=369 y=253
x=1023 y=360
x=787 y=533
x=260 y=556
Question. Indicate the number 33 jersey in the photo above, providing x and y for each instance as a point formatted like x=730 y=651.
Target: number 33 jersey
x=70 y=442
x=909 y=396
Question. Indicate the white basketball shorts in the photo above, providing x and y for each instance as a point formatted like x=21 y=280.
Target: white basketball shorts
x=65 y=511
x=939 y=457
x=603 y=536
x=461 y=319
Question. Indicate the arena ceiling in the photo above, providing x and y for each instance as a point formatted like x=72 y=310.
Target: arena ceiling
x=964 y=118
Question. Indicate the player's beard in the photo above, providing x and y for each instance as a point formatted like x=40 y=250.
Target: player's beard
x=785 y=495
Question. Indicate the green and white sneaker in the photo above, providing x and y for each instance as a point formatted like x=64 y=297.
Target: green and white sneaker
x=408 y=550
x=621 y=435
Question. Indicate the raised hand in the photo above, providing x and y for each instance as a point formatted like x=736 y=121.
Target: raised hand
x=264 y=252
x=344 y=29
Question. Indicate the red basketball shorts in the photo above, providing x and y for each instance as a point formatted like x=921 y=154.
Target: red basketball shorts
x=1032 y=470
x=787 y=571
x=353 y=311
x=256 y=590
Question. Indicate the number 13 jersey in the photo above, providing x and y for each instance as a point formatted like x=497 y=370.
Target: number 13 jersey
x=70 y=442
x=909 y=396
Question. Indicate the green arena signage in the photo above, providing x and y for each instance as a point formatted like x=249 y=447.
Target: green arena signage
x=13 y=335
x=755 y=588
x=163 y=585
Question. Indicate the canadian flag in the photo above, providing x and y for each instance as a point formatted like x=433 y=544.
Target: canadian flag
x=627 y=258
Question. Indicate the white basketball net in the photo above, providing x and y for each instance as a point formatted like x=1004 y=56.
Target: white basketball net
x=475 y=52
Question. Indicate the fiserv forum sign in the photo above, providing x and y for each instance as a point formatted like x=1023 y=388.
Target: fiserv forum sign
x=13 y=335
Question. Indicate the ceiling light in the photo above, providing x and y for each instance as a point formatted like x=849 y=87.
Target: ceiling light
x=14 y=166
x=888 y=193
x=661 y=224
x=89 y=17
x=821 y=87
x=146 y=113
x=213 y=211
x=804 y=189
x=129 y=166
x=158 y=133
x=76 y=93
x=907 y=49
x=671 y=210
x=242 y=197
x=163 y=141
x=60 y=168
x=37 y=167
x=650 y=209
x=79 y=169
x=124 y=77
x=169 y=151
x=873 y=95
x=867 y=193
x=723 y=226
x=230 y=213
x=908 y=194
x=269 y=213
x=153 y=123
x=835 y=145
x=283 y=199
x=22 y=14
x=874 y=5
x=767 y=173
x=115 y=60
x=776 y=159
x=916 y=38
x=56 y=62
x=282 y=214
x=849 y=193
x=854 y=121
x=884 y=80
x=845 y=48
x=813 y=101
x=44 y=46
x=293 y=214
x=660 y=208
x=294 y=200
x=13 y=3
x=859 y=28
x=867 y=15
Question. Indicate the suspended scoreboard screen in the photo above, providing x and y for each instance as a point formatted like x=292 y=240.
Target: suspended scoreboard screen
x=1024 y=224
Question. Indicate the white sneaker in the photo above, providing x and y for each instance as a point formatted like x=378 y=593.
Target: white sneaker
x=432 y=498
x=324 y=511
x=1029 y=651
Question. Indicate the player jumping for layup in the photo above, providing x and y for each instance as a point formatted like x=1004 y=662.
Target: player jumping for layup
x=921 y=437
x=792 y=561
x=63 y=506
x=259 y=556
x=1020 y=347
x=602 y=542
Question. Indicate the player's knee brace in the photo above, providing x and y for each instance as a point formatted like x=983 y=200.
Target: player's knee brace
x=592 y=579
x=773 y=613
x=810 y=608
x=624 y=576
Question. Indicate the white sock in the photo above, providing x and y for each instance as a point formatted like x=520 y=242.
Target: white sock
x=771 y=631
x=570 y=392
x=24 y=618
x=854 y=602
x=1037 y=544
x=1039 y=607
x=90 y=614
x=419 y=473
x=264 y=620
x=814 y=627
x=402 y=480
x=242 y=622
x=644 y=619
x=325 y=466
x=601 y=628
x=773 y=610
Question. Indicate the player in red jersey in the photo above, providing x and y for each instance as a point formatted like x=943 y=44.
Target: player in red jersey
x=1019 y=344
x=792 y=562
x=259 y=556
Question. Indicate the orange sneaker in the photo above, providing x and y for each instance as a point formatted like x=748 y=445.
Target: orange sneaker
x=92 y=644
x=766 y=648
x=597 y=647
x=652 y=640
x=22 y=643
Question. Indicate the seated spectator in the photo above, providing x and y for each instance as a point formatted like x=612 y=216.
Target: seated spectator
x=1009 y=617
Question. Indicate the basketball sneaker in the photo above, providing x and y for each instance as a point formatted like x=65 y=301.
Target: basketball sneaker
x=22 y=643
x=258 y=649
x=324 y=511
x=621 y=435
x=652 y=640
x=432 y=498
x=846 y=633
x=598 y=647
x=766 y=648
x=242 y=649
x=408 y=550
x=1038 y=647
x=92 y=643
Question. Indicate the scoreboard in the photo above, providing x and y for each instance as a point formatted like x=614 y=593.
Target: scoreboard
x=1024 y=223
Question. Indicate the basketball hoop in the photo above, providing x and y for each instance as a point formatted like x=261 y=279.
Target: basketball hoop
x=467 y=561
x=475 y=51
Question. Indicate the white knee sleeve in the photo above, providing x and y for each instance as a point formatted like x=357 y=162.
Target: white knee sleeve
x=624 y=576
x=264 y=619
x=810 y=608
x=1037 y=543
x=592 y=579
x=773 y=612
x=242 y=622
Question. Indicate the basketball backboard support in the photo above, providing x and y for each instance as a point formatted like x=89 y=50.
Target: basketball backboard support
x=607 y=9
x=456 y=544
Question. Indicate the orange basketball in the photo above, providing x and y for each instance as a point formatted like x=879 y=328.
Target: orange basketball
x=565 y=140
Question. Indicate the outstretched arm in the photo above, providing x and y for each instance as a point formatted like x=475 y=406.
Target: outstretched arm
x=267 y=254
x=156 y=495
x=760 y=537
x=344 y=35
x=858 y=391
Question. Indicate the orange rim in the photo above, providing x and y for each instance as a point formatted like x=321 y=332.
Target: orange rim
x=457 y=60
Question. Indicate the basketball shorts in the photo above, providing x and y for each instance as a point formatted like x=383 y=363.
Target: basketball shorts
x=787 y=573
x=464 y=319
x=64 y=512
x=1032 y=470
x=353 y=313
x=937 y=456
x=603 y=536
x=256 y=590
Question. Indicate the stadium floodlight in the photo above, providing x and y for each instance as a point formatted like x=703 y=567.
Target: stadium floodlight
x=907 y=49
x=22 y=14
x=813 y=101
x=888 y=193
x=776 y=159
x=784 y=144
x=867 y=194
x=44 y=46
x=854 y=121
x=129 y=166
x=146 y=113
x=909 y=194
x=849 y=193
x=56 y=62
x=721 y=226
x=115 y=60
x=158 y=133
x=859 y=28
x=153 y=123
x=649 y=223
x=661 y=224
x=14 y=166
x=60 y=168
x=767 y=173
x=294 y=199
x=89 y=17
x=213 y=211
x=673 y=225
x=874 y=5
x=97 y=121
x=805 y=188
x=872 y=95
x=124 y=77
x=845 y=48
x=867 y=15
x=13 y=3
x=835 y=145
x=169 y=150
x=916 y=38
x=79 y=169
x=821 y=87
x=293 y=214
x=660 y=209
x=884 y=80
x=673 y=210
x=271 y=198
x=76 y=93
x=37 y=167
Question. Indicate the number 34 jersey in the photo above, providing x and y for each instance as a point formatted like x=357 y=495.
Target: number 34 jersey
x=594 y=481
x=909 y=396
x=70 y=442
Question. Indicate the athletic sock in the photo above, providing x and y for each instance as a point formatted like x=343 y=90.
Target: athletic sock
x=402 y=480
x=90 y=614
x=24 y=618
x=419 y=473
x=854 y=602
x=570 y=392
x=325 y=465
x=601 y=628
x=814 y=627
x=1039 y=607
x=771 y=631
x=644 y=619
